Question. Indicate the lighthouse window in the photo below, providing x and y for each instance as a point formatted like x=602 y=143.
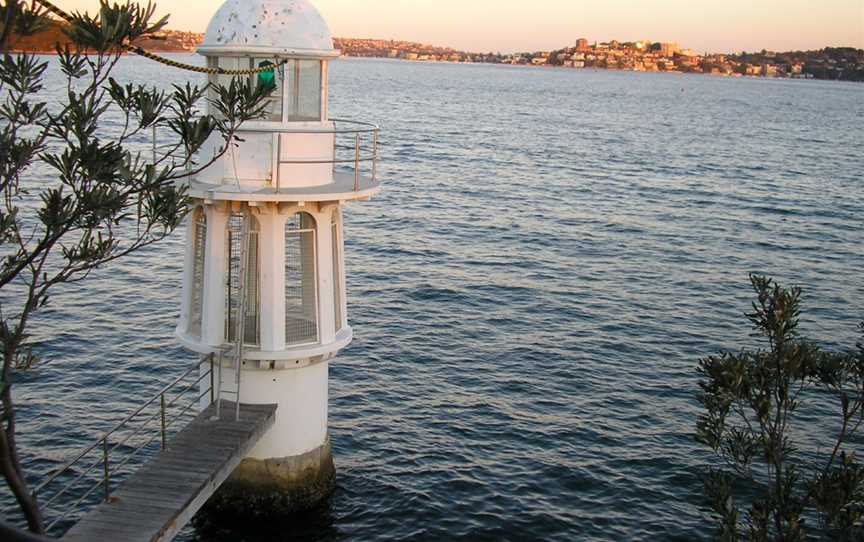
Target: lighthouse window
x=272 y=80
x=199 y=249
x=338 y=299
x=304 y=82
x=234 y=292
x=226 y=63
x=301 y=281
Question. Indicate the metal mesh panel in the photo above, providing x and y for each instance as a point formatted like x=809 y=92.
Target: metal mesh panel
x=199 y=250
x=337 y=273
x=301 y=281
x=253 y=293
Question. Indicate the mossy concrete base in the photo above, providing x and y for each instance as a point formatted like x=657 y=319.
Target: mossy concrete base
x=277 y=487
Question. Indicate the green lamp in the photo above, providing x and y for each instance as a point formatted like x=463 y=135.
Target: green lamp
x=267 y=79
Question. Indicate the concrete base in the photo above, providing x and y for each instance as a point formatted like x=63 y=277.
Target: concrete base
x=277 y=487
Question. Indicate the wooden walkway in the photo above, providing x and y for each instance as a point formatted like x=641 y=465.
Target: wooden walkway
x=161 y=498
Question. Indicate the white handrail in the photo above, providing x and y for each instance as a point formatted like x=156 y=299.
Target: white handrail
x=106 y=448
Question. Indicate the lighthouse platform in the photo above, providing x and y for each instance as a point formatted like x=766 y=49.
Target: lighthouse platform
x=158 y=500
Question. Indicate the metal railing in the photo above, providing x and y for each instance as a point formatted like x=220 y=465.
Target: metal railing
x=363 y=144
x=355 y=148
x=107 y=461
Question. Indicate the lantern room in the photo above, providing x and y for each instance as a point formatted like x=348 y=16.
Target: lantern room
x=295 y=145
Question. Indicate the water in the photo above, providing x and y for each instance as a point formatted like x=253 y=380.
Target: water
x=554 y=252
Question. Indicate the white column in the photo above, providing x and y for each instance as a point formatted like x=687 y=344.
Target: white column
x=301 y=419
x=215 y=265
x=271 y=243
x=324 y=254
x=325 y=94
x=342 y=283
x=188 y=269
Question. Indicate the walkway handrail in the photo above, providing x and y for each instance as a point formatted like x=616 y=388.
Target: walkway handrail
x=107 y=447
x=119 y=426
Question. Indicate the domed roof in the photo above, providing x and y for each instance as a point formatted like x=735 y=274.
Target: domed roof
x=268 y=26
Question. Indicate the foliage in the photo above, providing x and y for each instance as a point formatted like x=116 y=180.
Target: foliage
x=753 y=417
x=101 y=196
x=14 y=20
x=553 y=57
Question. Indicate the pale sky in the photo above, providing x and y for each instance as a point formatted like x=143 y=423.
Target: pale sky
x=515 y=25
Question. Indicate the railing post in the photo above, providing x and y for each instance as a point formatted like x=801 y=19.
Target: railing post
x=357 y=163
x=374 y=155
x=238 y=383
x=212 y=391
x=105 y=470
x=219 y=385
x=335 y=137
x=279 y=163
x=164 y=435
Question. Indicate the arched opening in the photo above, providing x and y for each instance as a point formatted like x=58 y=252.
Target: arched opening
x=199 y=251
x=301 y=281
x=338 y=294
x=252 y=291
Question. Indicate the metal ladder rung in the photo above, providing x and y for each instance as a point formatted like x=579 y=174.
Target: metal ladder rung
x=241 y=322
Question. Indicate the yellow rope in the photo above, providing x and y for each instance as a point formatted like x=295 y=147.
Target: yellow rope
x=167 y=61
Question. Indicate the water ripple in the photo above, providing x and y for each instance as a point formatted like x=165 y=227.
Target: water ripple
x=554 y=251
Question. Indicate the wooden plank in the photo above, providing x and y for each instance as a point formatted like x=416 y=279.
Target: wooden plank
x=137 y=523
x=152 y=503
x=149 y=491
x=158 y=500
x=171 y=466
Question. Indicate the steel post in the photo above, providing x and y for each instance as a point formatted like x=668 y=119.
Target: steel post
x=162 y=415
x=357 y=163
x=105 y=470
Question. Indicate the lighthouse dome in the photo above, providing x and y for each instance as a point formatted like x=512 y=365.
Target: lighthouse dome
x=289 y=27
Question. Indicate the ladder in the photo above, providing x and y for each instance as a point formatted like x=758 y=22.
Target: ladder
x=236 y=350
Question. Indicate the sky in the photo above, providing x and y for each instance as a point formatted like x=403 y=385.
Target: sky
x=516 y=25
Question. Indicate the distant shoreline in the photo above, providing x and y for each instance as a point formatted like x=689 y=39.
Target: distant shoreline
x=829 y=64
x=127 y=53
x=515 y=66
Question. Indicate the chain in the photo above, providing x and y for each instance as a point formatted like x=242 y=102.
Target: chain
x=167 y=61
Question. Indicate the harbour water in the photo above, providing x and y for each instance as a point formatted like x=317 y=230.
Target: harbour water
x=554 y=252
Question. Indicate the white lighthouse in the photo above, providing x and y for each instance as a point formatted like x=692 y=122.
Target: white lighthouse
x=264 y=272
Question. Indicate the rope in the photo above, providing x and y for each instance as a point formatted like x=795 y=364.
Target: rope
x=167 y=61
